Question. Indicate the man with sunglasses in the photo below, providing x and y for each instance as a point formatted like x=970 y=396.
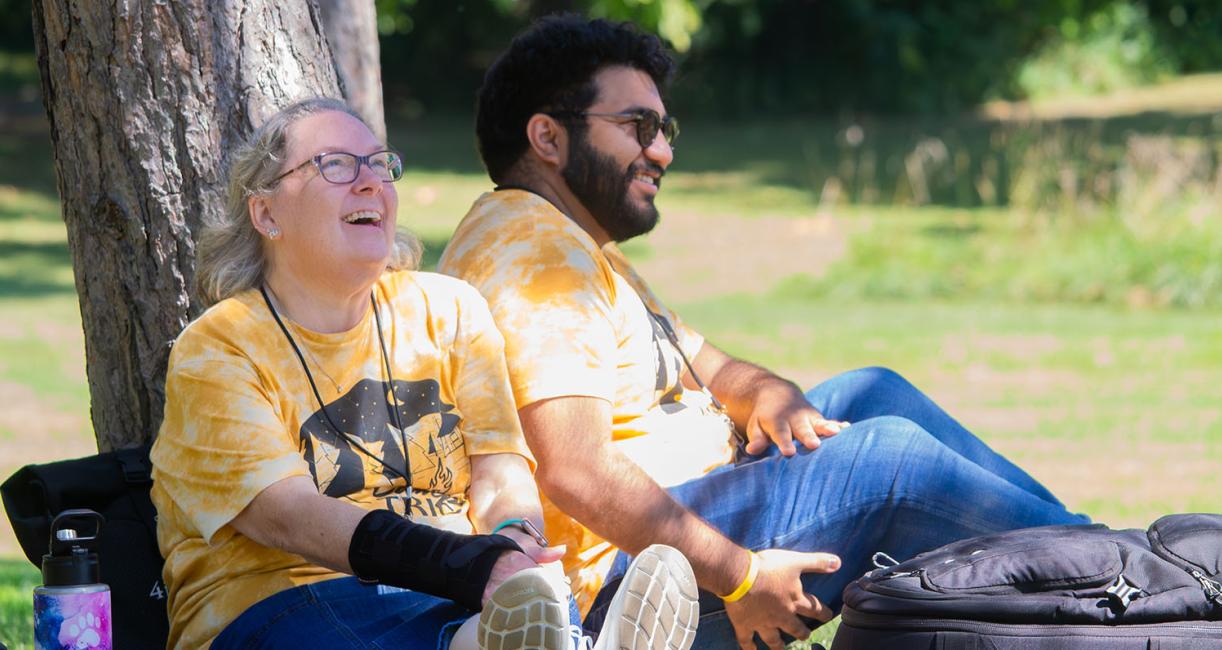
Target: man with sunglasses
x=646 y=433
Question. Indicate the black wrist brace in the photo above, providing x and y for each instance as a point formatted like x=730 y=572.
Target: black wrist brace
x=392 y=550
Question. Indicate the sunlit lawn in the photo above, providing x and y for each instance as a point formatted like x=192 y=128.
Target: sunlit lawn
x=1114 y=406
x=1116 y=409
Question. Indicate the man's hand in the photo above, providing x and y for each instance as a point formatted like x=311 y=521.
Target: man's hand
x=780 y=414
x=768 y=408
x=511 y=562
x=776 y=600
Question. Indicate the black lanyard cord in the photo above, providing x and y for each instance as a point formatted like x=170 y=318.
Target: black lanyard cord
x=665 y=324
x=394 y=398
x=674 y=341
x=323 y=407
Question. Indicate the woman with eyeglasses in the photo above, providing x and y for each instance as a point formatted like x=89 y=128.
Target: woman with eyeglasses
x=340 y=463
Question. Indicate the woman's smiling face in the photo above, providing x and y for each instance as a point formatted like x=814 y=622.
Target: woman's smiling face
x=328 y=229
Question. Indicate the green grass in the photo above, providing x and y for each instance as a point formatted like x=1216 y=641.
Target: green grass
x=17 y=581
x=40 y=337
x=1107 y=382
x=1079 y=339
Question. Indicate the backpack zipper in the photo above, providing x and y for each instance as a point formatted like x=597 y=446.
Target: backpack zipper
x=1213 y=589
x=882 y=562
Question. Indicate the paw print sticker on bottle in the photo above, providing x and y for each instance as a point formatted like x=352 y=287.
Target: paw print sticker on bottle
x=72 y=607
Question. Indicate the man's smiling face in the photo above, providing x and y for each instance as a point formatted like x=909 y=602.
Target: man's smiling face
x=607 y=169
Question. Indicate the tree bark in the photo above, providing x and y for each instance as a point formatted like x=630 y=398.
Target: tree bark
x=351 y=27
x=145 y=99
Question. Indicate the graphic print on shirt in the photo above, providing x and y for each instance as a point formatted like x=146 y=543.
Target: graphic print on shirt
x=667 y=385
x=435 y=446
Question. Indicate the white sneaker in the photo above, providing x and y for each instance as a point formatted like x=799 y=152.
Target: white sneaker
x=525 y=613
x=656 y=607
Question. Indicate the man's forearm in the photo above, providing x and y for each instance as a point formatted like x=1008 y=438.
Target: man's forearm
x=736 y=383
x=584 y=475
x=637 y=512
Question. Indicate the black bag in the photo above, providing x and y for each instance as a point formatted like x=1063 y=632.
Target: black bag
x=115 y=484
x=1050 y=588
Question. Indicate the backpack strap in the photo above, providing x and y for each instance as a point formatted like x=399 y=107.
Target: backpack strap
x=137 y=472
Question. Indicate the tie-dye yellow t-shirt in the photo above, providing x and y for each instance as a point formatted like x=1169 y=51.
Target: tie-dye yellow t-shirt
x=577 y=322
x=240 y=415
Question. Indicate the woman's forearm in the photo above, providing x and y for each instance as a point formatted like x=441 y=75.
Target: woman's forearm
x=502 y=488
x=292 y=516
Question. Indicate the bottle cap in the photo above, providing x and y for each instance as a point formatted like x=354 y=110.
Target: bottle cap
x=70 y=561
x=79 y=568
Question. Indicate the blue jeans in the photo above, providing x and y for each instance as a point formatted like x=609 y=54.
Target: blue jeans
x=904 y=478
x=345 y=613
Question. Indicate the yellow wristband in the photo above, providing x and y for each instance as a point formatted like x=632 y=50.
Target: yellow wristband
x=753 y=570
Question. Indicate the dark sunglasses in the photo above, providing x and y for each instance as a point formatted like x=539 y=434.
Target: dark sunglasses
x=648 y=123
x=341 y=167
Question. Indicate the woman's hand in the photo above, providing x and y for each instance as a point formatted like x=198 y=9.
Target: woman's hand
x=532 y=555
x=503 y=488
x=531 y=547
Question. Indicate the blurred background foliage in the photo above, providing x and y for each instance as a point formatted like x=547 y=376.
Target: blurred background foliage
x=784 y=57
x=988 y=107
x=1015 y=202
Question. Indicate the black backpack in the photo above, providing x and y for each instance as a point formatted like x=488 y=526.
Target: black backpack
x=1050 y=588
x=115 y=484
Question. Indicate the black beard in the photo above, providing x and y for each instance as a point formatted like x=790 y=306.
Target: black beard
x=603 y=190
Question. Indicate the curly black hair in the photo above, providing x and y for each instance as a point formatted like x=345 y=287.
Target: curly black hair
x=551 y=67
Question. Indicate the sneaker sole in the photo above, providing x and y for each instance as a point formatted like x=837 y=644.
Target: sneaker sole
x=657 y=606
x=524 y=613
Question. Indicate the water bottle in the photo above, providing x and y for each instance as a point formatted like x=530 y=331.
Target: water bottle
x=72 y=607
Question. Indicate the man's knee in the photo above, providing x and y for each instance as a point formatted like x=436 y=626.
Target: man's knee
x=863 y=380
x=858 y=392
x=890 y=440
x=875 y=378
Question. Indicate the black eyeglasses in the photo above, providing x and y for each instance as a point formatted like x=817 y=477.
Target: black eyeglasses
x=648 y=123
x=341 y=167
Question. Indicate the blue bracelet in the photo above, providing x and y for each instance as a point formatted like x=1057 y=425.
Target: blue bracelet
x=526 y=526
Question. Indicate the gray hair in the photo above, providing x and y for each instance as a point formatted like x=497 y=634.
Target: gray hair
x=231 y=258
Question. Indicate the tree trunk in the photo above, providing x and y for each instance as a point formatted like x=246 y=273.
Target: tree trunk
x=145 y=100
x=351 y=27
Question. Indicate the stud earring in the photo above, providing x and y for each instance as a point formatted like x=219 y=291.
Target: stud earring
x=273 y=233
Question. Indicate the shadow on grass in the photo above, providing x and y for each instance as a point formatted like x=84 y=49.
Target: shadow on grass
x=29 y=269
x=25 y=156
x=952 y=230
x=953 y=161
x=957 y=161
x=12 y=212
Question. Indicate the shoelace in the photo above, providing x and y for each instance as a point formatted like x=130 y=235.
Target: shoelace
x=579 y=638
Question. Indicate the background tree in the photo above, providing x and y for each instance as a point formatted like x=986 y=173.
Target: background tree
x=351 y=27
x=145 y=99
x=747 y=58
